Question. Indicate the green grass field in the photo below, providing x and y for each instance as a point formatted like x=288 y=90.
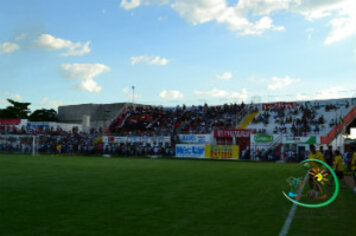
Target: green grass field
x=65 y=195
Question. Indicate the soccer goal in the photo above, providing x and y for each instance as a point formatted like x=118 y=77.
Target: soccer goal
x=22 y=144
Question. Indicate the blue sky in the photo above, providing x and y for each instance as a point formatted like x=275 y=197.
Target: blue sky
x=176 y=51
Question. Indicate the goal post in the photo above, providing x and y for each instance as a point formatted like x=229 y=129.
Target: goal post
x=20 y=144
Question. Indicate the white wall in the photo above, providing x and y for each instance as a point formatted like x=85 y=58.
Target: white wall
x=353 y=133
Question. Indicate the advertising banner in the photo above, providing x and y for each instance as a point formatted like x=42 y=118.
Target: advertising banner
x=162 y=139
x=233 y=133
x=222 y=151
x=190 y=150
x=111 y=139
x=10 y=121
x=35 y=125
x=195 y=138
x=301 y=140
x=285 y=105
x=13 y=122
x=136 y=139
x=263 y=139
x=119 y=139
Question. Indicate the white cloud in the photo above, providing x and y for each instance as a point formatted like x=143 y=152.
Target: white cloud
x=202 y=11
x=149 y=60
x=224 y=76
x=331 y=93
x=17 y=96
x=342 y=27
x=342 y=14
x=234 y=17
x=237 y=17
x=49 y=42
x=222 y=94
x=7 y=95
x=125 y=90
x=303 y=97
x=279 y=83
x=171 y=94
x=87 y=73
x=90 y=86
x=84 y=71
x=8 y=47
x=130 y=4
x=46 y=102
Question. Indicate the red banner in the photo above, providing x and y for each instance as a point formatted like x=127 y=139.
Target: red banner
x=10 y=121
x=285 y=105
x=230 y=133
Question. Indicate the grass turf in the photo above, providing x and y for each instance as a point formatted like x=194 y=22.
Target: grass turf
x=65 y=195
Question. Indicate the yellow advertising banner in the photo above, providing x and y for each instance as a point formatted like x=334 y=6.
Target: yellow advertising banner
x=222 y=151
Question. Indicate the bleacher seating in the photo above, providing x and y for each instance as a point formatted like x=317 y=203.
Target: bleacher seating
x=148 y=120
x=309 y=118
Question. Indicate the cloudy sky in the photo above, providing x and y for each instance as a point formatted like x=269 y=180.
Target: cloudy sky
x=176 y=51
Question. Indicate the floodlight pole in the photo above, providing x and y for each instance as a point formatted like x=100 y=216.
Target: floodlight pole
x=133 y=94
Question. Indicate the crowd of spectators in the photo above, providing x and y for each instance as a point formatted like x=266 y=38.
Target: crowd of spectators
x=50 y=141
x=302 y=120
x=138 y=150
x=149 y=120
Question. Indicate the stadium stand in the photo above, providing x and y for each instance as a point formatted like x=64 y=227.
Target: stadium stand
x=148 y=120
x=301 y=118
x=324 y=119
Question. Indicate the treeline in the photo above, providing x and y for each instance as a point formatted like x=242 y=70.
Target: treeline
x=21 y=110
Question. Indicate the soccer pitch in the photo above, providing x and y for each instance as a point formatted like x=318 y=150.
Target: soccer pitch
x=74 y=195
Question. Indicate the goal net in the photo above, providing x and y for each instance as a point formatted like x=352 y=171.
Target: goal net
x=21 y=144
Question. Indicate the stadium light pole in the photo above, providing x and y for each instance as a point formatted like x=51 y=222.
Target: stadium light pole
x=133 y=94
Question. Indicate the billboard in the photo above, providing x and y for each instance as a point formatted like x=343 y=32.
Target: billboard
x=195 y=138
x=285 y=105
x=136 y=139
x=301 y=140
x=263 y=139
x=35 y=125
x=190 y=150
x=233 y=133
x=13 y=122
x=222 y=151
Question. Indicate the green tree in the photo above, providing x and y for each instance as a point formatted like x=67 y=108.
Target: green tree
x=17 y=110
x=44 y=115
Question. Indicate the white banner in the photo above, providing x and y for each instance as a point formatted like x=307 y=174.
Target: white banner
x=136 y=139
x=190 y=150
x=195 y=138
x=301 y=140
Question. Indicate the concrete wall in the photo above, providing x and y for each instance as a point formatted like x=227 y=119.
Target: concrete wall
x=101 y=115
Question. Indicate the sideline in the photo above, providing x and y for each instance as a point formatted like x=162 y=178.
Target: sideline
x=292 y=212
